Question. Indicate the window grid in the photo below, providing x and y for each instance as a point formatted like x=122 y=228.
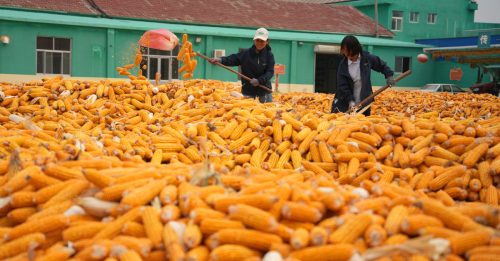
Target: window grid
x=153 y=58
x=65 y=68
x=402 y=64
x=431 y=18
x=397 y=21
x=414 y=17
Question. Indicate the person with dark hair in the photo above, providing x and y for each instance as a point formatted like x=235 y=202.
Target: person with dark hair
x=353 y=75
x=257 y=63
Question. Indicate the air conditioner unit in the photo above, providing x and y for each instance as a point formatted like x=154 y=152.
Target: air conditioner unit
x=218 y=53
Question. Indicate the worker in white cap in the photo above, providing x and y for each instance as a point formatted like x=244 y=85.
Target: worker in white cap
x=257 y=63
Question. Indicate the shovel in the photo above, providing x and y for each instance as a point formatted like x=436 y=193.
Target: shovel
x=233 y=71
x=356 y=108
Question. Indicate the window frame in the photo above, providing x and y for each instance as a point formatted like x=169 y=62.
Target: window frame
x=417 y=15
x=53 y=50
x=395 y=20
x=401 y=70
x=434 y=16
x=170 y=57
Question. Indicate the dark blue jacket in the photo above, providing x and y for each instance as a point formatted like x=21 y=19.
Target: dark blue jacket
x=253 y=65
x=345 y=84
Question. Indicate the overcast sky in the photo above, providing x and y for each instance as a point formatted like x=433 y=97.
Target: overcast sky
x=488 y=11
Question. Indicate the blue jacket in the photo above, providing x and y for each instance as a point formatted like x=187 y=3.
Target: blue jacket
x=345 y=85
x=253 y=65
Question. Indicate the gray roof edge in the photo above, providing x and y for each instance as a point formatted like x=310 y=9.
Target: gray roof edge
x=125 y=24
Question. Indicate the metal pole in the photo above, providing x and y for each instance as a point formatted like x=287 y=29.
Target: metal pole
x=376 y=18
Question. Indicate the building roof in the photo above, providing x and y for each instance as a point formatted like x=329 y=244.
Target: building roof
x=310 y=1
x=190 y=29
x=271 y=14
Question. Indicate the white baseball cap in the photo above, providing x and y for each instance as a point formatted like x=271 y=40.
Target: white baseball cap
x=262 y=34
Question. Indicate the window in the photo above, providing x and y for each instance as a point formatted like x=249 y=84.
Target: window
x=403 y=64
x=446 y=88
x=431 y=18
x=164 y=62
x=397 y=21
x=53 y=55
x=414 y=17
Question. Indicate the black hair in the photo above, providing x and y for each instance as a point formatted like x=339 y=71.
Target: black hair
x=351 y=44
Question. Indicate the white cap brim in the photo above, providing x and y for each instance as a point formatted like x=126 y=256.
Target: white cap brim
x=260 y=37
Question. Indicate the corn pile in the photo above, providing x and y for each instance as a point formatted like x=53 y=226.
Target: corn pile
x=407 y=103
x=443 y=105
x=81 y=177
x=306 y=101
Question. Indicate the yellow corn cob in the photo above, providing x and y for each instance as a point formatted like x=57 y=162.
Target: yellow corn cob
x=216 y=138
x=243 y=140
x=63 y=173
x=192 y=236
x=42 y=225
x=450 y=217
x=18 y=181
x=323 y=253
x=21 y=245
x=20 y=215
x=133 y=229
x=22 y=199
x=273 y=160
x=232 y=253
x=284 y=158
x=462 y=243
x=491 y=195
x=304 y=145
x=152 y=225
x=209 y=226
x=98 y=179
x=114 y=227
x=255 y=160
x=245 y=237
x=326 y=156
x=73 y=188
x=300 y=212
x=199 y=253
x=115 y=192
x=300 y=238
x=394 y=219
x=449 y=174
x=475 y=154
x=83 y=231
x=144 y=194
x=238 y=131
x=253 y=217
x=375 y=235
x=351 y=230
x=438 y=232
x=411 y=225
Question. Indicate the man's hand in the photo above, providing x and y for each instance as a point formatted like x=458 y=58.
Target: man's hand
x=215 y=60
x=390 y=81
x=254 y=82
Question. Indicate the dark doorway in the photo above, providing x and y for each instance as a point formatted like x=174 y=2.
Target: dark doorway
x=326 y=72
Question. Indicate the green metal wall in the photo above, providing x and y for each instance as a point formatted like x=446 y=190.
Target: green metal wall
x=19 y=57
x=454 y=17
x=97 y=51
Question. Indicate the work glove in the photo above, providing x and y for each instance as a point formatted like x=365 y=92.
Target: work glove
x=254 y=82
x=390 y=81
x=215 y=60
x=351 y=105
